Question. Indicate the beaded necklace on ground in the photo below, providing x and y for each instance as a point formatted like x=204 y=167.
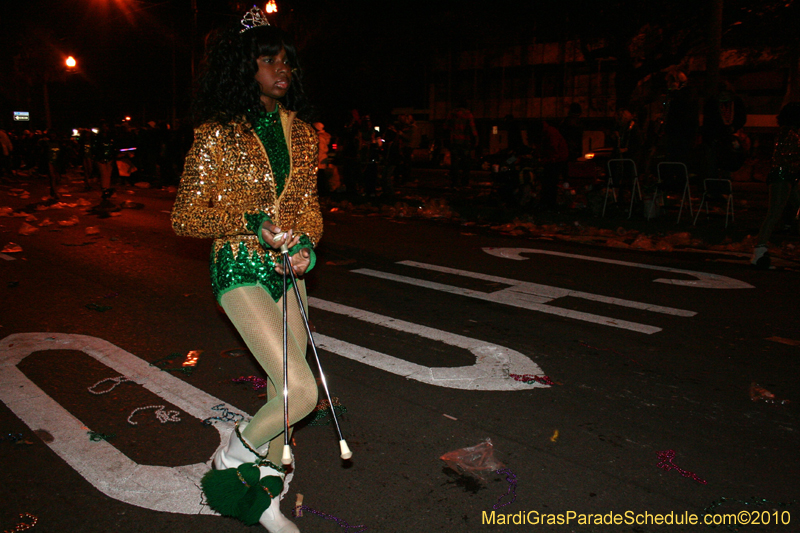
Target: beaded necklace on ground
x=267 y=125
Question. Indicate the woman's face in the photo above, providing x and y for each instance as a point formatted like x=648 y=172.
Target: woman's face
x=274 y=76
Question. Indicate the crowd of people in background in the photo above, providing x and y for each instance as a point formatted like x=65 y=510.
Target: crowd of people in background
x=362 y=158
x=106 y=154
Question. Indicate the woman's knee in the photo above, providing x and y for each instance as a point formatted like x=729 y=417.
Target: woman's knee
x=303 y=398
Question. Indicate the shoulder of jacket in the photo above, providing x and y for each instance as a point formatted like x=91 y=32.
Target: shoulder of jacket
x=302 y=124
x=220 y=129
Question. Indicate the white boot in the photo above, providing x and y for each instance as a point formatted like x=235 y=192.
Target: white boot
x=272 y=519
x=239 y=451
x=232 y=454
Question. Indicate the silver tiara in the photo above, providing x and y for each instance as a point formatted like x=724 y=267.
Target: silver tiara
x=254 y=18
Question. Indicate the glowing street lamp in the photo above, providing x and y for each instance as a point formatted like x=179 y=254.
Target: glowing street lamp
x=271 y=7
x=71 y=63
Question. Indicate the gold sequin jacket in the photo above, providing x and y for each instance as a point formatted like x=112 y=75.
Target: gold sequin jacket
x=227 y=191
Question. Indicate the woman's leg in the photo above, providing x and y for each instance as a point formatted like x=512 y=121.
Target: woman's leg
x=259 y=320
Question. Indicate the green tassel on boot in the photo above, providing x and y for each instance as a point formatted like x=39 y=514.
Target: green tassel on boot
x=240 y=493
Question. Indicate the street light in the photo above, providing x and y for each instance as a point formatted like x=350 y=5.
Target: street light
x=271 y=7
x=70 y=63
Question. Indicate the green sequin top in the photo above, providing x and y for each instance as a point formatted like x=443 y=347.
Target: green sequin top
x=237 y=176
x=268 y=128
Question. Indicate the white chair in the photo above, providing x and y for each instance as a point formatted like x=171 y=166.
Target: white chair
x=671 y=174
x=720 y=186
x=616 y=178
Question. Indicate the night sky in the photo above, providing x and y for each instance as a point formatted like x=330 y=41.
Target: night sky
x=134 y=56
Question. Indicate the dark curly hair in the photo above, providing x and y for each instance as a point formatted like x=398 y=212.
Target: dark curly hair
x=227 y=89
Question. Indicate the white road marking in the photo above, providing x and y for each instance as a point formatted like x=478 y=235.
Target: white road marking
x=532 y=296
x=160 y=488
x=177 y=489
x=704 y=280
x=493 y=362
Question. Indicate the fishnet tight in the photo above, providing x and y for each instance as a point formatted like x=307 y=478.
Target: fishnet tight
x=259 y=320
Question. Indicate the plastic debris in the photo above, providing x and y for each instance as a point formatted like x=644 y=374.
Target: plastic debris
x=92 y=230
x=478 y=460
x=757 y=392
x=27 y=229
x=45 y=222
x=11 y=248
x=72 y=221
x=554 y=437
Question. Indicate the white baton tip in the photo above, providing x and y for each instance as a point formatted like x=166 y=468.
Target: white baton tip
x=346 y=453
x=287 y=455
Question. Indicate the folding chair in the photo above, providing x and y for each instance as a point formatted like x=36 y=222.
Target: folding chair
x=671 y=174
x=717 y=186
x=616 y=178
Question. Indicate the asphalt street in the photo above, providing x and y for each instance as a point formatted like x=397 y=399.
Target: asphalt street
x=653 y=360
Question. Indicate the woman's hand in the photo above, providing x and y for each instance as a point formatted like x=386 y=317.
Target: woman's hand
x=275 y=237
x=300 y=262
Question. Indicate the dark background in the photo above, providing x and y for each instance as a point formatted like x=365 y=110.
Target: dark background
x=135 y=56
